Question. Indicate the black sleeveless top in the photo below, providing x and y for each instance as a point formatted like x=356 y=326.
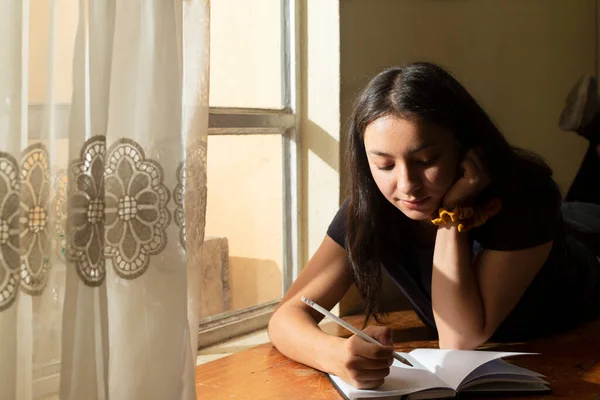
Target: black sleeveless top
x=565 y=291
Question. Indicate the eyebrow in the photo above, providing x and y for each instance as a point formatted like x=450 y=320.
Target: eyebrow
x=415 y=149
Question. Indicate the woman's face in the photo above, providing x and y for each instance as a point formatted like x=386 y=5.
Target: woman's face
x=413 y=163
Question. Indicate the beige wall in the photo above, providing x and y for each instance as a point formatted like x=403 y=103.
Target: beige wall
x=320 y=120
x=244 y=205
x=65 y=29
x=518 y=58
x=245 y=53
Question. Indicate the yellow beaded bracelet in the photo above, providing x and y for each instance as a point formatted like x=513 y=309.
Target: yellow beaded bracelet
x=467 y=217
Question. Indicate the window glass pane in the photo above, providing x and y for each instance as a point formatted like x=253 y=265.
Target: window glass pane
x=245 y=54
x=243 y=249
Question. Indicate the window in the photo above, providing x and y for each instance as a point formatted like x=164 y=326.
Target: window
x=250 y=251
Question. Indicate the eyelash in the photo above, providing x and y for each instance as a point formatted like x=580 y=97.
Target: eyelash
x=429 y=162
x=424 y=163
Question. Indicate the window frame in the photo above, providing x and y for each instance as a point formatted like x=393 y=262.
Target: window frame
x=286 y=123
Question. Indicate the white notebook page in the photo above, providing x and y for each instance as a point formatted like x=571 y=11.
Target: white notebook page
x=401 y=380
x=453 y=366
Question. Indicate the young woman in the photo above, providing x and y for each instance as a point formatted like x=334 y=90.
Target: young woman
x=470 y=229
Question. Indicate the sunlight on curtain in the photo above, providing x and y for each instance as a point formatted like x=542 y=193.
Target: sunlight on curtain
x=103 y=123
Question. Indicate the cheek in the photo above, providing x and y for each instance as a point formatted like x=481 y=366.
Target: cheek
x=383 y=182
x=440 y=179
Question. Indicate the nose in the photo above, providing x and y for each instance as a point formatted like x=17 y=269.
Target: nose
x=408 y=180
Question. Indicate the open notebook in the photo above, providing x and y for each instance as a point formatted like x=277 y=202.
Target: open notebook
x=443 y=373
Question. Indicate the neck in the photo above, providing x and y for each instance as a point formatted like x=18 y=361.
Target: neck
x=425 y=232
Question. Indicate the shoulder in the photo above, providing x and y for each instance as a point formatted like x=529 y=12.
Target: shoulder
x=530 y=215
x=338 y=226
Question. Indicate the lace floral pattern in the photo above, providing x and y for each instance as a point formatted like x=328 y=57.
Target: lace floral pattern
x=59 y=205
x=9 y=230
x=35 y=230
x=179 y=199
x=86 y=217
x=135 y=215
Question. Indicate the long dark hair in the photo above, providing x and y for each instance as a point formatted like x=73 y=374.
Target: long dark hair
x=417 y=92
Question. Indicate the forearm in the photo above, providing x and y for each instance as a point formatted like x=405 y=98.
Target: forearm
x=296 y=334
x=457 y=305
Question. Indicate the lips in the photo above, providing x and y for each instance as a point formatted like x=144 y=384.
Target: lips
x=415 y=204
x=419 y=201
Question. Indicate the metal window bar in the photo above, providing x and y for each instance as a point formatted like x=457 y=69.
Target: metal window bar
x=291 y=144
x=284 y=122
x=250 y=121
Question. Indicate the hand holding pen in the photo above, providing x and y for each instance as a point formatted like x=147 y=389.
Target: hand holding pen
x=351 y=328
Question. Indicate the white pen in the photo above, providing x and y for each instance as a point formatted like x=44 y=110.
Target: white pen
x=351 y=328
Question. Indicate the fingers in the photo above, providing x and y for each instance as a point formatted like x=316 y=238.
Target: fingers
x=367 y=364
x=470 y=183
x=476 y=156
x=470 y=169
x=374 y=384
x=382 y=334
x=358 y=363
x=370 y=350
x=474 y=168
x=356 y=345
x=370 y=364
x=366 y=373
x=368 y=379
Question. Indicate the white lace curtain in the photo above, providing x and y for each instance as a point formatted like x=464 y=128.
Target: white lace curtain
x=103 y=123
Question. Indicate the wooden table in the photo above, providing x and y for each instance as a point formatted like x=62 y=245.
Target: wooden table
x=570 y=361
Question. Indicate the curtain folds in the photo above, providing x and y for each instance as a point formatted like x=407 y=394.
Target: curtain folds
x=103 y=124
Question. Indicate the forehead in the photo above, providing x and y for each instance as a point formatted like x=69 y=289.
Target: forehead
x=392 y=130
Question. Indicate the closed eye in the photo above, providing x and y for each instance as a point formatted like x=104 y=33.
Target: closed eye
x=386 y=167
x=428 y=162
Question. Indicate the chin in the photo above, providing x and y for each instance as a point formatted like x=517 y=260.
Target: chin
x=417 y=215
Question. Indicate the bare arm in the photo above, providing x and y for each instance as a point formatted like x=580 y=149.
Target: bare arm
x=294 y=329
x=471 y=300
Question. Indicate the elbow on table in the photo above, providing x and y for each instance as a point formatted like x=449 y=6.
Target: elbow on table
x=462 y=342
x=276 y=327
x=272 y=327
